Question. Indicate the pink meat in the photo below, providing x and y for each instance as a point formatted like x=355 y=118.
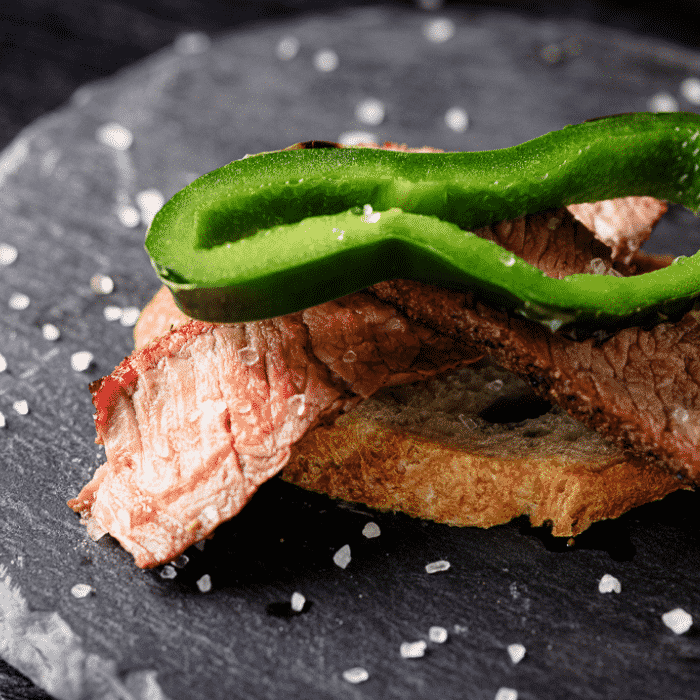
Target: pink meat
x=195 y=421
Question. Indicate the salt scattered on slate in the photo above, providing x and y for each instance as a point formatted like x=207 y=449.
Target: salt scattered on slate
x=115 y=136
x=298 y=601
x=663 y=102
x=112 y=313
x=413 y=650
x=457 y=119
x=129 y=316
x=3 y=422
x=287 y=48
x=3 y=363
x=81 y=590
x=80 y=361
x=325 y=60
x=371 y=530
x=439 y=30
x=19 y=301
x=437 y=634
x=101 y=284
x=21 y=407
x=690 y=89
x=506 y=694
x=516 y=652
x=168 y=572
x=50 y=332
x=608 y=584
x=8 y=254
x=150 y=203
x=204 y=583
x=342 y=557
x=370 y=111
x=356 y=675
x=128 y=216
x=678 y=620
x=436 y=566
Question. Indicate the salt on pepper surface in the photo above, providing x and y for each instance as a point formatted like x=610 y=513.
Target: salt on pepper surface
x=342 y=557
x=609 y=584
x=436 y=566
x=356 y=675
x=149 y=202
x=677 y=620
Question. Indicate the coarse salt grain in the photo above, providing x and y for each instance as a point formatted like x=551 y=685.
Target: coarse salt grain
x=129 y=316
x=287 y=48
x=370 y=111
x=18 y=301
x=663 y=102
x=115 y=136
x=678 y=620
x=352 y=138
x=50 y=332
x=437 y=634
x=3 y=422
x=439 y=30
x=168 y=572
x=516 y=652
x=326 y=60
x=356 y=675
x=413 y=650
x=181 y=562
x=436 y=566
x=342 y=557
x=371 y=530
x=8 y=254
x=506 y=694
x=128 y=216
x=3 y=363
x=609 y=584
x=81 y=590
x=21 y=407
x=112 y=313
x=81 y=361
x=298 y=601
x=204 y=583
x=457 y=119
x=150 y=203
x=690 y=89
x=101 y=284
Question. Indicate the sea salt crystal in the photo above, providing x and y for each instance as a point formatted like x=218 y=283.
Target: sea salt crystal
x=677 y=620
x=663 y=102
x=115 y=136
x=690 y=89
x=326 y=60
x=457 y=119
x=150 y=203
x=81 y=361
x=516 y=652
x=609 y=584
x=128 y=216
x=181 y=562
x=439 y=30
x=371 y=530
x=129 y=316
x=436 y=566
x=287 y=48
x=168 y=572
x=3 y=363
x=19 y=301
x=81 y=590
x=370 y=111
x=353 y=138
x=3 y=422
x=413 y=650
x=506 y=694
x=204 y=583
x=21 y=407
x=101 y=284
x=342 y=557
x=50 y=332
x=356 y=675
x=298 y=602
x=112 y=313
x=437 y=634
x=8 y=254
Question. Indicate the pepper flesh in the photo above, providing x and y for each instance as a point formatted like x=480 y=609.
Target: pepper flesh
x=281 y=231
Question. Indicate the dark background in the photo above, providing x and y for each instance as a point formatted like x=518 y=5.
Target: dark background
x=49 y=48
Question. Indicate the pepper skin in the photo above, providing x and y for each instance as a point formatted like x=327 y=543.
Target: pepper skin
x=282 y=231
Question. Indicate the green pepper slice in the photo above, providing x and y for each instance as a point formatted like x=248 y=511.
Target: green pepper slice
x=281 y=231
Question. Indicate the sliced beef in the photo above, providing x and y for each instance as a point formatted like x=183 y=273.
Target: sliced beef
x=195 y=421
x=640 y=388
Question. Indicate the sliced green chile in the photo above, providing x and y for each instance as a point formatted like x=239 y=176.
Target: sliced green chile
x=279 y=232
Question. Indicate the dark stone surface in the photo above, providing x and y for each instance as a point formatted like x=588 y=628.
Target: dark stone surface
x=190 y=113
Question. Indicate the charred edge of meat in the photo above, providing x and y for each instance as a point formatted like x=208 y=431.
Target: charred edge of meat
x=313 y=144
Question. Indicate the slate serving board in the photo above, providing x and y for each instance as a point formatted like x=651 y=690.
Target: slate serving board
x=65 y=202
